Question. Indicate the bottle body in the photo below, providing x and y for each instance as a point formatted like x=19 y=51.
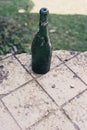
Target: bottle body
x=41 y=48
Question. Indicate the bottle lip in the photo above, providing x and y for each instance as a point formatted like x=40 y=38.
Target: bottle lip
x=44 y=10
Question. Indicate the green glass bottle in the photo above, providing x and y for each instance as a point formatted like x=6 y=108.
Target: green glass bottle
x=41 y=46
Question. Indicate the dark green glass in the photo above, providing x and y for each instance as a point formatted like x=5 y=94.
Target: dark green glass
x=41 y=46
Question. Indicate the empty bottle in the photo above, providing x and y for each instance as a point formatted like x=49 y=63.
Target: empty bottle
x=41 y=46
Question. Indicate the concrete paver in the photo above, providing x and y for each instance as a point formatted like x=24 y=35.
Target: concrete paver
x=54 y=101
x=77 y=111
x=12 y=75
x=61 y=84
x=29 y=104
x=79 y=65
x=66 y=55
x=6 y=121
x=54 y=121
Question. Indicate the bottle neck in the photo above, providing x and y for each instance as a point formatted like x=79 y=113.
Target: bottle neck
x=43 y=25
x=43 y=29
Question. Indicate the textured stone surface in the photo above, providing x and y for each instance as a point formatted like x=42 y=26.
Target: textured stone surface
x=12 y=75
x=29 y=104
x=77 y=111
x=24 y=105
x=54 y=121
x=61 y=84
x=79 y=65
x=55 y=61
x=66 y=55
x=25 y=60
x=5 y=56
x=6 y=121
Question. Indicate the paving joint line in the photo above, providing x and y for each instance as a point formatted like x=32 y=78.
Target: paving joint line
x=44 y=91
x=24 y=67
x=11 y=114
x=5 y=58
x=53 y=112
x=30 y=72
x=35 y=79
x=47 y=93
x=21 y=86
x=44 y=117
x=3 y=95
x=68 y=117
x=73 y=57
x=62 y=112
x=75 y=125
x=76 y=75
x=66 y=60
x=61 y=109
x=70 y=100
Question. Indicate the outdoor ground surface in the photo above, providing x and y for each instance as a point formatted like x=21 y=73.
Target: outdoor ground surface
x=54 y=101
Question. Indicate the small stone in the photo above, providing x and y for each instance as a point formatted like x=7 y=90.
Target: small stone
x=71 y=86
x=72 y=52
x=75 y=76
x=21 y=11
x=66 y=60
x=15 y=107
x=53 y=86
x=52 y=31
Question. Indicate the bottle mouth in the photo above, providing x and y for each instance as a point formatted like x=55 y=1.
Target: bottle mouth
x=44 y=11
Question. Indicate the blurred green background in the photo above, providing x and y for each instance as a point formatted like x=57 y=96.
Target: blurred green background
x=67 y=32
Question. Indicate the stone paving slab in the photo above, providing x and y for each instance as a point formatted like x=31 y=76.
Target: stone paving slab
x=54 y=121
x=66 y=55
x=6 y=121
x=79 y=65
x=29 y=104
x=77 y=111
x=56 y=98
x=61 y=84
x=12 y=75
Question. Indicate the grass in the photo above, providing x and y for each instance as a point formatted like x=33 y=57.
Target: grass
x=71 y=32
x=67 y=32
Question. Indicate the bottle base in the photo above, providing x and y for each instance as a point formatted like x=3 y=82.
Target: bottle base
x=40 y=71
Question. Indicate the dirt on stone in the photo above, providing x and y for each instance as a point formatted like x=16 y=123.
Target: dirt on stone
x=3 y=74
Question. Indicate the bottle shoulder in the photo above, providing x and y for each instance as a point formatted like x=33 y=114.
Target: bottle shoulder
x=40 y=41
